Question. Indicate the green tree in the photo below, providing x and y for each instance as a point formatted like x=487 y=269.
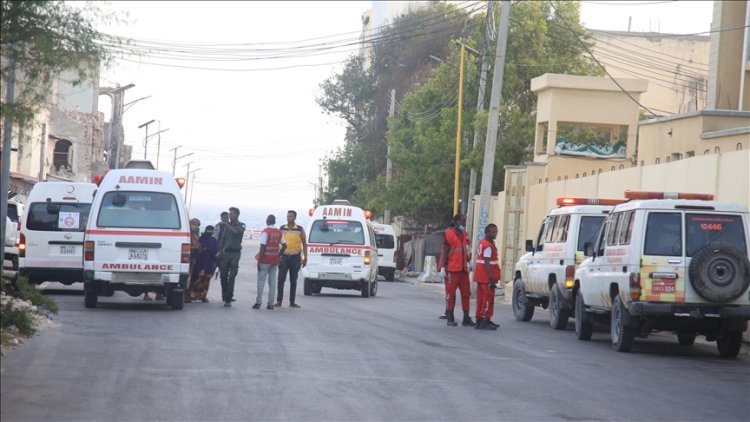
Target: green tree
x=359 y=94
x=422 y=149
x=45 y=38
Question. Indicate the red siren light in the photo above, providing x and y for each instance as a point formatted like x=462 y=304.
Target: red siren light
x=562 y=202
x=629 y=194
x=180 y=181
x=311 y=211
x=368 y=214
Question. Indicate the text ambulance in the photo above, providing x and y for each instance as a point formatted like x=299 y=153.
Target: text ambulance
x=138 y=237
x=341 y=250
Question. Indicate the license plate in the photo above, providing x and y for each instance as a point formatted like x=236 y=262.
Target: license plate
x=663 y=286
x=337 y=261
x=139 y=254
x=67 y=250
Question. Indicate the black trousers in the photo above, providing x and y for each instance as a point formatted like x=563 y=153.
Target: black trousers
x=291 y=263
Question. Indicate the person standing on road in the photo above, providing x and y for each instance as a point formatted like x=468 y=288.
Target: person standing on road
x=487 y=275
x=293 y=258
x=272 y=245
x=229 y=252
x=204 y=266
x=454 y=268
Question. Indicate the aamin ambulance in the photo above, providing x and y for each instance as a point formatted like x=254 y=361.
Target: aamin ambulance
x=51 y=241
x=138 y=237
x=341 y=250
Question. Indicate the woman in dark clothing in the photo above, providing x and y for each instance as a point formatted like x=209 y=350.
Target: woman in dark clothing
x=204 y=267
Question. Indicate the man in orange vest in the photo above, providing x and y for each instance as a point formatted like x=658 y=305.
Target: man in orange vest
x=454 y=268
x=487 y=275
x=272 y=245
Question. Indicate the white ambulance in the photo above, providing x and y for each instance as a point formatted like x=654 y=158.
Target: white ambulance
x=51 y=241
x=138 y=237
x=342 y=252
x=385 y=238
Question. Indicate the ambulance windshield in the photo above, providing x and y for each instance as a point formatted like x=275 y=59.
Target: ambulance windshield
x=337 y=232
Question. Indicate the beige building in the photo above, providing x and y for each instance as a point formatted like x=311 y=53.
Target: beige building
x=675 y=66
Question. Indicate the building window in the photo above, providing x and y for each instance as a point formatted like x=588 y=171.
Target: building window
x=612 y=168
x=676 y=156
x=622 y=166
x=584 y=174
x=706 y=152
x=717 y=150
x=577 y=176
x=658 y=161
x=61 y=157
x=559 y=178
x=668 y=159
x=600 y=171
x=566 y=177
x=690 y=154
x=739 y=146
x=546 y=179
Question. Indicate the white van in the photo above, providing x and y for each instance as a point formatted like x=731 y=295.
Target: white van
x=385 y=238
x=51 y=241
x=12 y=232
x=341 y=250
x=138 y=237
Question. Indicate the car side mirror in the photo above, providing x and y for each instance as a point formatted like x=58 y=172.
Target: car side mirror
x=529 y=245
x=588 y=249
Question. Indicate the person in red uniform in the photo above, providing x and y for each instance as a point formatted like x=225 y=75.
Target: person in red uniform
x=454 y=267
x=487 y=275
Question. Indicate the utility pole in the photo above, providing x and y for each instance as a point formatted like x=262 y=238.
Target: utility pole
x=457 y=174
x=7 y=136
x=488 y=167
x=158 y=143
x=42 y=153
x=388 y=163
x=187 y=179
x=320 y=184
x=480 y=106
x=191 y=186
x=116 y=96
x=174 y=161
x=145 y=140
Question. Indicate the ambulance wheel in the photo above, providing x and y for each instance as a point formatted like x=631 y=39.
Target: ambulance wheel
x=365 y=289
x=176 y=299
x=686 y=339
x=729 y=344
x=316 y=288
x=308 y=287
x=622 y=335
x=584 y=325
x=521 y=311
x=373 y=288
x=558 y=315
x=89 y=296
x=390 y=276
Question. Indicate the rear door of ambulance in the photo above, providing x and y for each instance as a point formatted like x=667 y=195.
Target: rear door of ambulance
x=140 y=233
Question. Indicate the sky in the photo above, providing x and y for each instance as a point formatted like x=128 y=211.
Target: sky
x=257 y=137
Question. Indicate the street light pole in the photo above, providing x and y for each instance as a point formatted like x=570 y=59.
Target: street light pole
x=145 y=140
x=174 y=161
x=191 y=186
x=187 y=178
x=116 y=96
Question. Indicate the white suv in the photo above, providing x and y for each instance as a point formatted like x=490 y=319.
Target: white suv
x=544 y=276
x=672 y=262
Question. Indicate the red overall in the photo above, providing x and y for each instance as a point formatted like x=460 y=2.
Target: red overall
x=486 y=295
x=271 y=254
x=457 y=269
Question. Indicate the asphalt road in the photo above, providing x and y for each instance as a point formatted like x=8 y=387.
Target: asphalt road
x=342 y=357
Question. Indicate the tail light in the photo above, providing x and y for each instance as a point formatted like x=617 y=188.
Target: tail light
x=635 y=286
x=22 y=246
x=570 y=272
x=88 y=250
x=395 y=253
x=185 y=253
x=367 y=258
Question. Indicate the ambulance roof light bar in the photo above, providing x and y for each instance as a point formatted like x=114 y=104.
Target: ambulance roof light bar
x=565 y=201
x=629 y=194
x=311 y=211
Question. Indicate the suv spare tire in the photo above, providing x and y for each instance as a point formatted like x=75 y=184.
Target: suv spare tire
x=719 y=272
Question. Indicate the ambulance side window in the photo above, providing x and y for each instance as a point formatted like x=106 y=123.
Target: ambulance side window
x=540 y=237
